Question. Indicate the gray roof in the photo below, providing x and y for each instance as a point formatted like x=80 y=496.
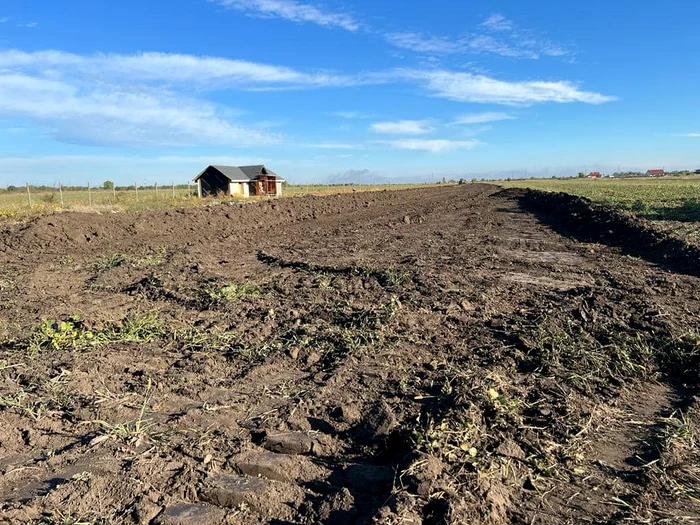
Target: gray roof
x=241 y=173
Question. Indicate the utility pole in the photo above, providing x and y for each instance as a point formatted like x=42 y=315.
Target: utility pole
x=29 y=196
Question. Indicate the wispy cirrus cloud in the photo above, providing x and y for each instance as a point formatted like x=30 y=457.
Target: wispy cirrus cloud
x=350 y=115
x=147 y=98
x=4 y=19
x=422 y=43
x=402 y=127
x=206 y=72
x=690 y=135
x=108 y=115
x=334 y=145
x=293 y=11
x=483 y=118
x=496 y=35
x=468 y=87
x=434 y=145
x=498 y=22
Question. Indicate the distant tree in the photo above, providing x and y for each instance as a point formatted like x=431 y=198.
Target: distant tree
x=581 y=175
x=12 y=188
x=108 y=185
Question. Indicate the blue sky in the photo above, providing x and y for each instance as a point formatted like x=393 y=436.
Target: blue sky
x=345 y=90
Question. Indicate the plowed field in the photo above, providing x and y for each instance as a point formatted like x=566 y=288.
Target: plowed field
x=459 y=354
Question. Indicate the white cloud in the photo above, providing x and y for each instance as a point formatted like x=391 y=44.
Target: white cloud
x=434 y=145
x=402 y=127
x=422 y=44
x=292 y=11
x=482 y=118
x=488 y=44
x=205 y=72
x=496 y=35
x=467 y=87
x=334 y=145
x=691 y=135
x=4 y=19
x=145 y=99
x=110 y=116
x=498 y=22
x=350 y=115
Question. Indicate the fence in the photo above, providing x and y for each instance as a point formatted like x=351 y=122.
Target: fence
x=62 y=197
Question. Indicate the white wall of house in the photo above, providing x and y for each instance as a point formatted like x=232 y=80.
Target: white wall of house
x=199 y=188
x=278 y=188
x=238 y=189
x=235 y=189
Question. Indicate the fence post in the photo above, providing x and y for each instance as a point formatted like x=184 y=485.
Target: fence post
x=136 y=189
x=173 y=190
x=29 y=196
x=60 y=193
x=89 y=195
x=114 y=192
x=156 y=185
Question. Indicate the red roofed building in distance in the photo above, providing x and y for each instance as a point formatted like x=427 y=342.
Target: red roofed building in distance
x=656 y=173
x=594 y=175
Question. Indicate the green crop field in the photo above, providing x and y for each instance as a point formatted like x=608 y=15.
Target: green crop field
x=668 y=198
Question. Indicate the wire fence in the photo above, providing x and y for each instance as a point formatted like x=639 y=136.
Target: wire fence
x=67 y=197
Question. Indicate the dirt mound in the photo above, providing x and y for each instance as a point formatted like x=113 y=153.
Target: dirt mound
x=90 y=232
x=587 y=221
x=425 y=356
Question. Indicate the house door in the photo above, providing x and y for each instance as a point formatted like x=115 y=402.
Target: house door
x=266 y=185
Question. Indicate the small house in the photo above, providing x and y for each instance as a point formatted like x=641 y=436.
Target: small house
x=594 y=175
x=656 y=173
x=238 y=181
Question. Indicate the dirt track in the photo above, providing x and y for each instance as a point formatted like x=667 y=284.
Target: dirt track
x=459 y=354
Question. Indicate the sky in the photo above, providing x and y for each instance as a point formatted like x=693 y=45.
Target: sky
x=345 y=90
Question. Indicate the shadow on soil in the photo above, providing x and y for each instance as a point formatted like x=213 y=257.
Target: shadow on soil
x=585 y=221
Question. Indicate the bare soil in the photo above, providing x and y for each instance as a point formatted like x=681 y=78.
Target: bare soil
x=459 y=354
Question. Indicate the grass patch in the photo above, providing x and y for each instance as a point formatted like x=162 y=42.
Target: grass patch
x=19 y=402
x=233 y=292
x=213 y=293
x=677 y=469
x=131 y=432
x=138 y=328
x=670 y=198
x=112 y=261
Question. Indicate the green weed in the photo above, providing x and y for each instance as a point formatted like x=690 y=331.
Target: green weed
x=59 y=335
x=130 y=432
x=139 y=328
x=20 y=402
x=111 y=261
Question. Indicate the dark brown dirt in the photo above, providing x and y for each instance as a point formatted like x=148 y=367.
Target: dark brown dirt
x=448 y=355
